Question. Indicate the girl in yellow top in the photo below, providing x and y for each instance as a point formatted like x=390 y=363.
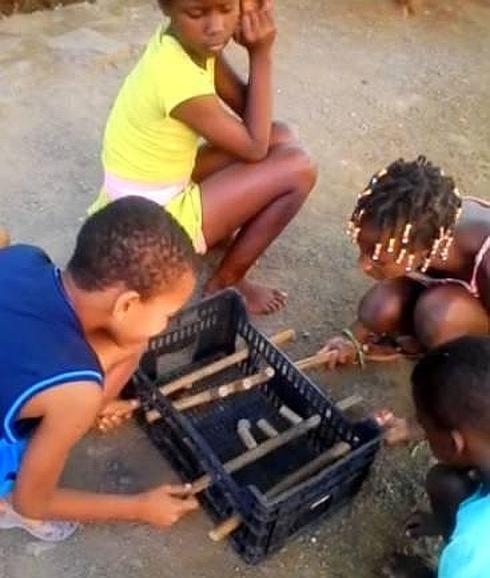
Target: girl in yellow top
x=250 y=175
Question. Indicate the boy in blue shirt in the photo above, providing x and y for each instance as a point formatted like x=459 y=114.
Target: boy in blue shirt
x=70 y=340
x=451 y=391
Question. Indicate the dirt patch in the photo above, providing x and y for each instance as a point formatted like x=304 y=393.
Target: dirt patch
x=9 y=7
x=364 y=86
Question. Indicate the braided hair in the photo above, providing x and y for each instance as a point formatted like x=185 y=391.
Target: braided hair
x=417 y=203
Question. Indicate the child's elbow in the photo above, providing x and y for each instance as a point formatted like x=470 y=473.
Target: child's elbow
x=28 y=506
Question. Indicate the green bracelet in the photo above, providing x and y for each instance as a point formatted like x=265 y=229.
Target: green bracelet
x=355 y=342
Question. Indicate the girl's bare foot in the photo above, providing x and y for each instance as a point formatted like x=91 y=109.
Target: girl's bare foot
x=259 y=300
x=115 y=413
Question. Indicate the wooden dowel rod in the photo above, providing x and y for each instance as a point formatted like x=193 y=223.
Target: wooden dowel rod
x=260 y=451
x=189 y=379
x=315 y=361
x=236 y=386
x=329 y=456
x=220 y=392
x=349 y=402
x=326 y=458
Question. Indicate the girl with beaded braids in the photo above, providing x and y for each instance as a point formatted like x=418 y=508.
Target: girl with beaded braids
x=429 y=249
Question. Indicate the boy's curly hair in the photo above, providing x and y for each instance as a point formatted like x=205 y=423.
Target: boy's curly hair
x=451 y=384
x=134 y=242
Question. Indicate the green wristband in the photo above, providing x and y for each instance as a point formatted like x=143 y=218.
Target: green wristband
x=355 y=342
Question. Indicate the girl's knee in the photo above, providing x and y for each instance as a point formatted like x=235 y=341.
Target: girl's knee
x=299 y=165
x=447 y=312
x=281 y=133
x=384 y=307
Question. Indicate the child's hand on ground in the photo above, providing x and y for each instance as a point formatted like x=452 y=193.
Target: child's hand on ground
x=166 y=505
x=421 y=524
x=397 y=430
x=115 y=413
x=257 y=29
x=343 y=352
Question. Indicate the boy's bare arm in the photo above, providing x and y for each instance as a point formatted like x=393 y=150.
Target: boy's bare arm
x=69 y=413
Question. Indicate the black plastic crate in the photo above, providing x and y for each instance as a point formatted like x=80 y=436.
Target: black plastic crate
x=199 y=440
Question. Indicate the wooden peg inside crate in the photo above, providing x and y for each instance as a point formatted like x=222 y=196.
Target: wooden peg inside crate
x=326 y=458
x=260 y=451
x=244 y=433
x=267 y=428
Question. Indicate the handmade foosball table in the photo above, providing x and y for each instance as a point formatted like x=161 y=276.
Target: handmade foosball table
x=266 y=450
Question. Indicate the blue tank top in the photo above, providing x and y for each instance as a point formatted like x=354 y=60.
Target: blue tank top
x=42 y=344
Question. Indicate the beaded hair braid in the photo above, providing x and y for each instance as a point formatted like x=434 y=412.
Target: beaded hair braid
x=417 y=204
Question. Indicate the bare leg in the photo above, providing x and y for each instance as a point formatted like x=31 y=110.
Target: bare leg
x=260 y=199
x=388 y=307
x=447 y=312
x=447 y=487
x=211 y=160
x=386 y=311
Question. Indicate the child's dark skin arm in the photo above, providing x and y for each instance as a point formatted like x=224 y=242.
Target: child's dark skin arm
x=248 y=140
x=403 y=566
x=68 y=413
x=343 y=350
x=483 y=281
x=229 y=86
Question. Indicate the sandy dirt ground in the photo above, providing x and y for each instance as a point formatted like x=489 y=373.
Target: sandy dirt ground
x=363 y=86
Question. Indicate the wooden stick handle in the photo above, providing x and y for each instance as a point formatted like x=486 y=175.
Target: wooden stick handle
x=260 y=451
x=225 y=390
x=238 y=385
x=326 y=458
x=349 y=402
x=227 y=527
x=220 y=392
x=339 y=450
x=186 y=381
x=189 y=379
x=315 y=361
